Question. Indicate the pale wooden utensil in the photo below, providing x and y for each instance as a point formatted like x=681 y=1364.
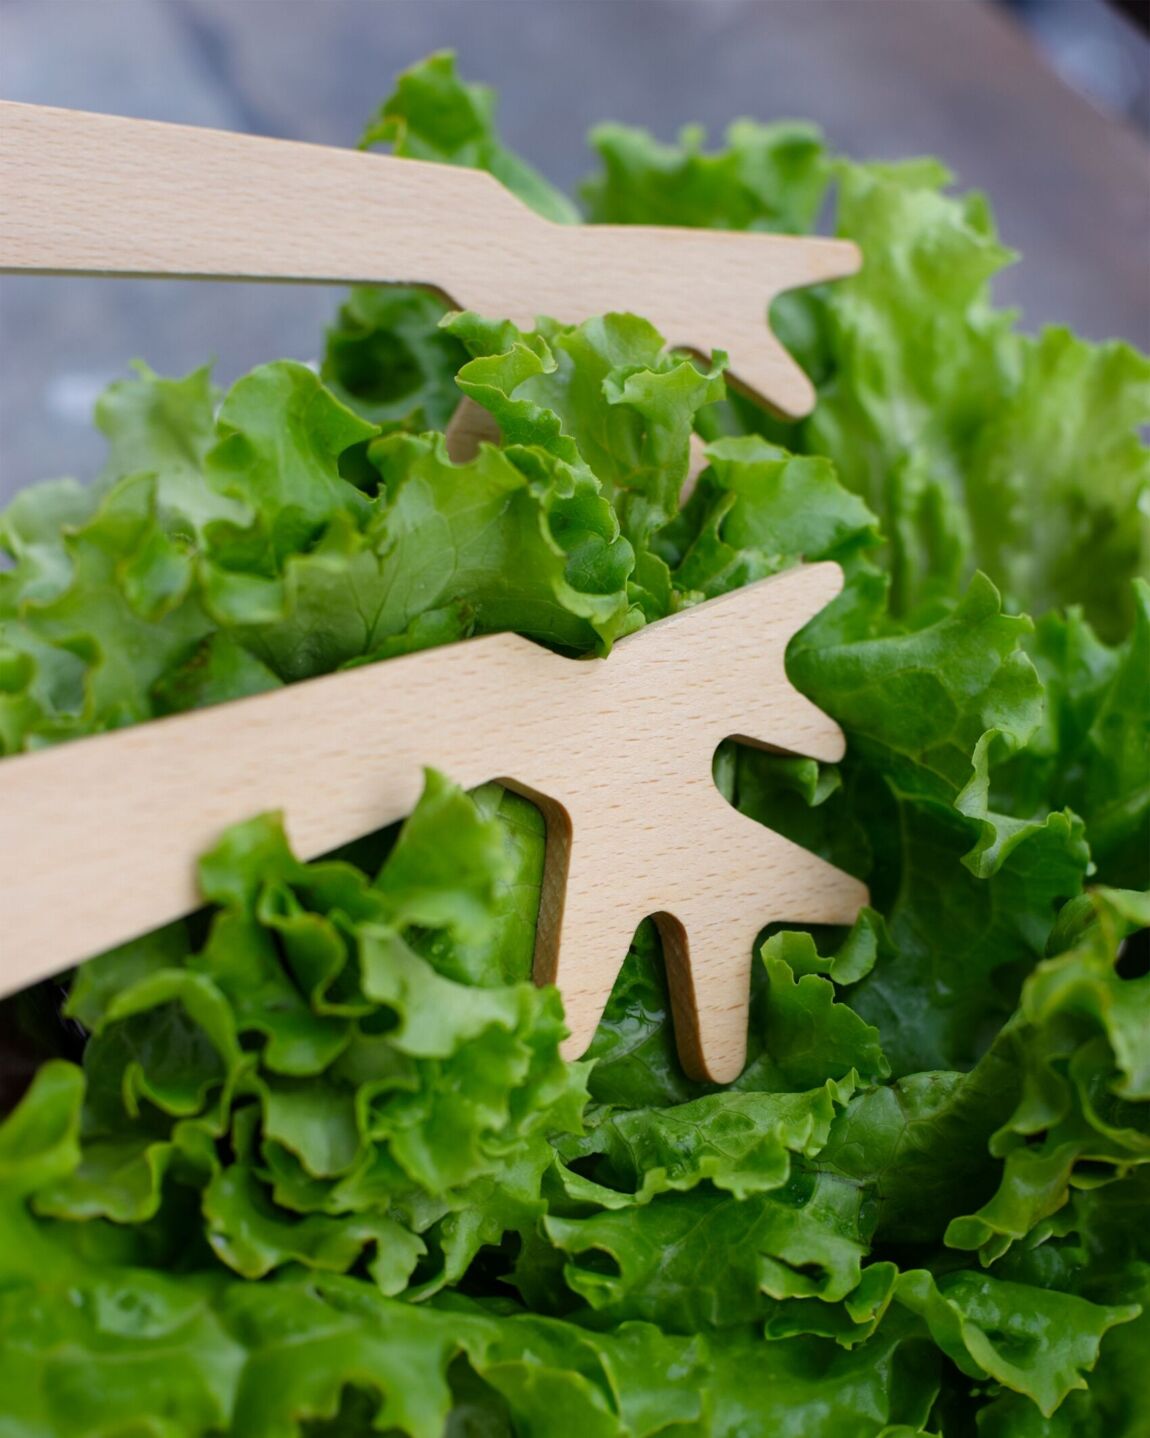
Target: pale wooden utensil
x=104 y=195
x=617 y=752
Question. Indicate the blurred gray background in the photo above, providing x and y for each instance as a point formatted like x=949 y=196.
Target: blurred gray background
x=1042 y=108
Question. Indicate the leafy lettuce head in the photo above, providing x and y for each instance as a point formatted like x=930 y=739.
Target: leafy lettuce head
x=309 y=1162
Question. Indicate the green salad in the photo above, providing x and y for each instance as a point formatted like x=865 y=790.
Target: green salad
x=309 y=1163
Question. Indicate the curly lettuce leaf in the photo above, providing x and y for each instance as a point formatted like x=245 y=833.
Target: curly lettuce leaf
x=1082 y=1099
x=769 y=177
x=388 y=358
x=319 y=1038
x=434 y=115
x=976 y=446
x=233 y=566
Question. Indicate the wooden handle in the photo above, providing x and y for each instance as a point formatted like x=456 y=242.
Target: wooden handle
x=98 y=194
x=99 y=837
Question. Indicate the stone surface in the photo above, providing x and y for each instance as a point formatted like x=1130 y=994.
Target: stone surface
x=884 y=77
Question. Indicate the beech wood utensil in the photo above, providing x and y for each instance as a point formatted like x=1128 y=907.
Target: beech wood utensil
x=103 y=195
x=617 y=753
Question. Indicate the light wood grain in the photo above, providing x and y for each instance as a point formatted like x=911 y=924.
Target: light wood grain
x=99 y=194
x=99 y=837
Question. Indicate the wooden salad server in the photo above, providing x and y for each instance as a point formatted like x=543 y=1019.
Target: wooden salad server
x=617 y=753
x=98 y=194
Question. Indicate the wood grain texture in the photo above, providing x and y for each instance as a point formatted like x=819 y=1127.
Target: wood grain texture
x=617 y=752
x=97 y=194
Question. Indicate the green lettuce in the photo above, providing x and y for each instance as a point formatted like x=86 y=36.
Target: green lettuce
x=309 y=1161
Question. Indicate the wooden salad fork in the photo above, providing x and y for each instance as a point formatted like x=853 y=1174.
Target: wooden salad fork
x=98 y=194
x=617 y=753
